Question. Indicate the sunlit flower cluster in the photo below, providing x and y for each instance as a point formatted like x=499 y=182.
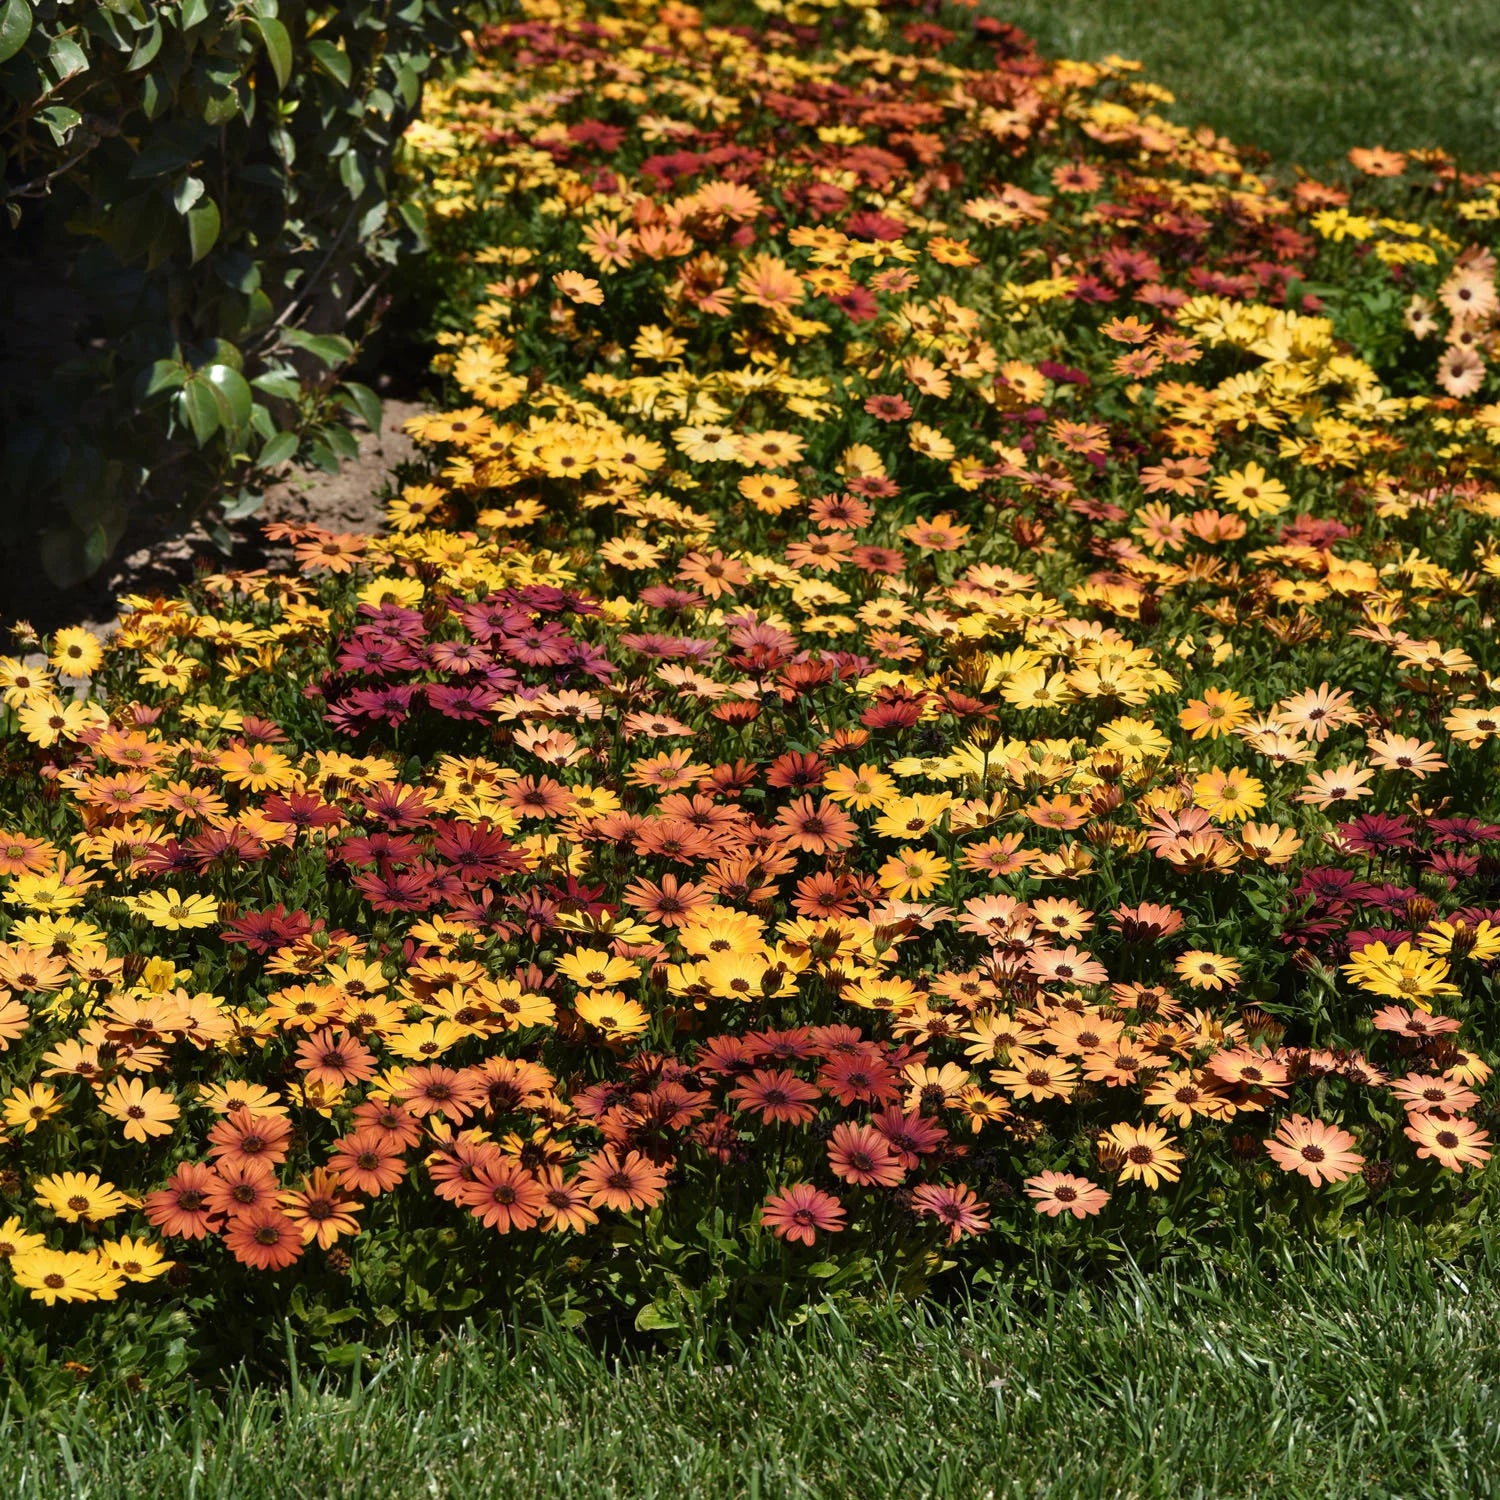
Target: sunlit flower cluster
x=928 y=689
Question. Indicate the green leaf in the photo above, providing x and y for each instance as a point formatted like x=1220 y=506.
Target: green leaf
x=331 y=348
x=238 y=270
x=283 y=384
x=260 y=309
x=409 y=86
x=166 y=375
x=342 y=441
x=246 y=503
x=278 y=48
x=280 y=448
x=321 y=456
x=154 y=96
x=61 y=121
x=95 y=548
x=203 y=228
x=651 y=1316
x=333 y=60
x=168 y=149
x=232 y=391
x=352 y=174
x=15 y=27
x=194 y=13
x=187 y=192
x=221 y=352
x=361 y=400
x=66 y=58
x=415 y=220
x=221 y=108
x=199 y=409
x=373 y=220
x=145 y=49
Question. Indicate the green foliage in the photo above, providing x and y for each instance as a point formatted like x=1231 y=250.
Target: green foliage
x=211 y=182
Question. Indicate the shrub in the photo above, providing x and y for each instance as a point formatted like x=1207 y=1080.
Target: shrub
x=210 y=183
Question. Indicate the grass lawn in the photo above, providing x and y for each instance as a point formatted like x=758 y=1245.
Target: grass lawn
x=1304 y=81
x=1343 y=1377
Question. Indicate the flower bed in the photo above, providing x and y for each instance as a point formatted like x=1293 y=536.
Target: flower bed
x=934 y=699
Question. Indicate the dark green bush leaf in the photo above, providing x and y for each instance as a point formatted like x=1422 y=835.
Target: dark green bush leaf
x=364 y=401
x=278 y=48
x=283 y=384
x=233 y=393
x=277 y=451
x=341 y=440
x=146 y=49
x=61 y=121
x=15 y=27
x=166 y=375
x=247 y=502
x=167 y=150
x=200 y=409
x=187 y=192
x=203 y=228
x=333 y=60
x=66 y=58
x=331 y=348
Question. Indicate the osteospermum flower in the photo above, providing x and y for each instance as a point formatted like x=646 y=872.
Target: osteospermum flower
x=857 y=1154
x=1145 y=1153
x=173 y=911
x=66 y=1276
x=16 y=1240
x=144 y=1112
x=953 y=1205
x=1319 y=1152
x=243 y=1136
x=1247 y=1068
x=802 y=1212
x=1252 y=491
x=73 y=1196
x=622 y=1181
x=504 y=1196
x=1228 y=796
x=135 y=1259
x=1454 y=1144
x=182 y=1208
x=369 y=1160
x=564 y=1205
x=595 y=969
x=27 y=1108
x=256 y=768
x=1060 y=1192
x=1219 y=711
x=613 y=1012
x=913 y=874
x=1207 y=971
x=1399 y=752
x=777 y=1095
x=264 y=1238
